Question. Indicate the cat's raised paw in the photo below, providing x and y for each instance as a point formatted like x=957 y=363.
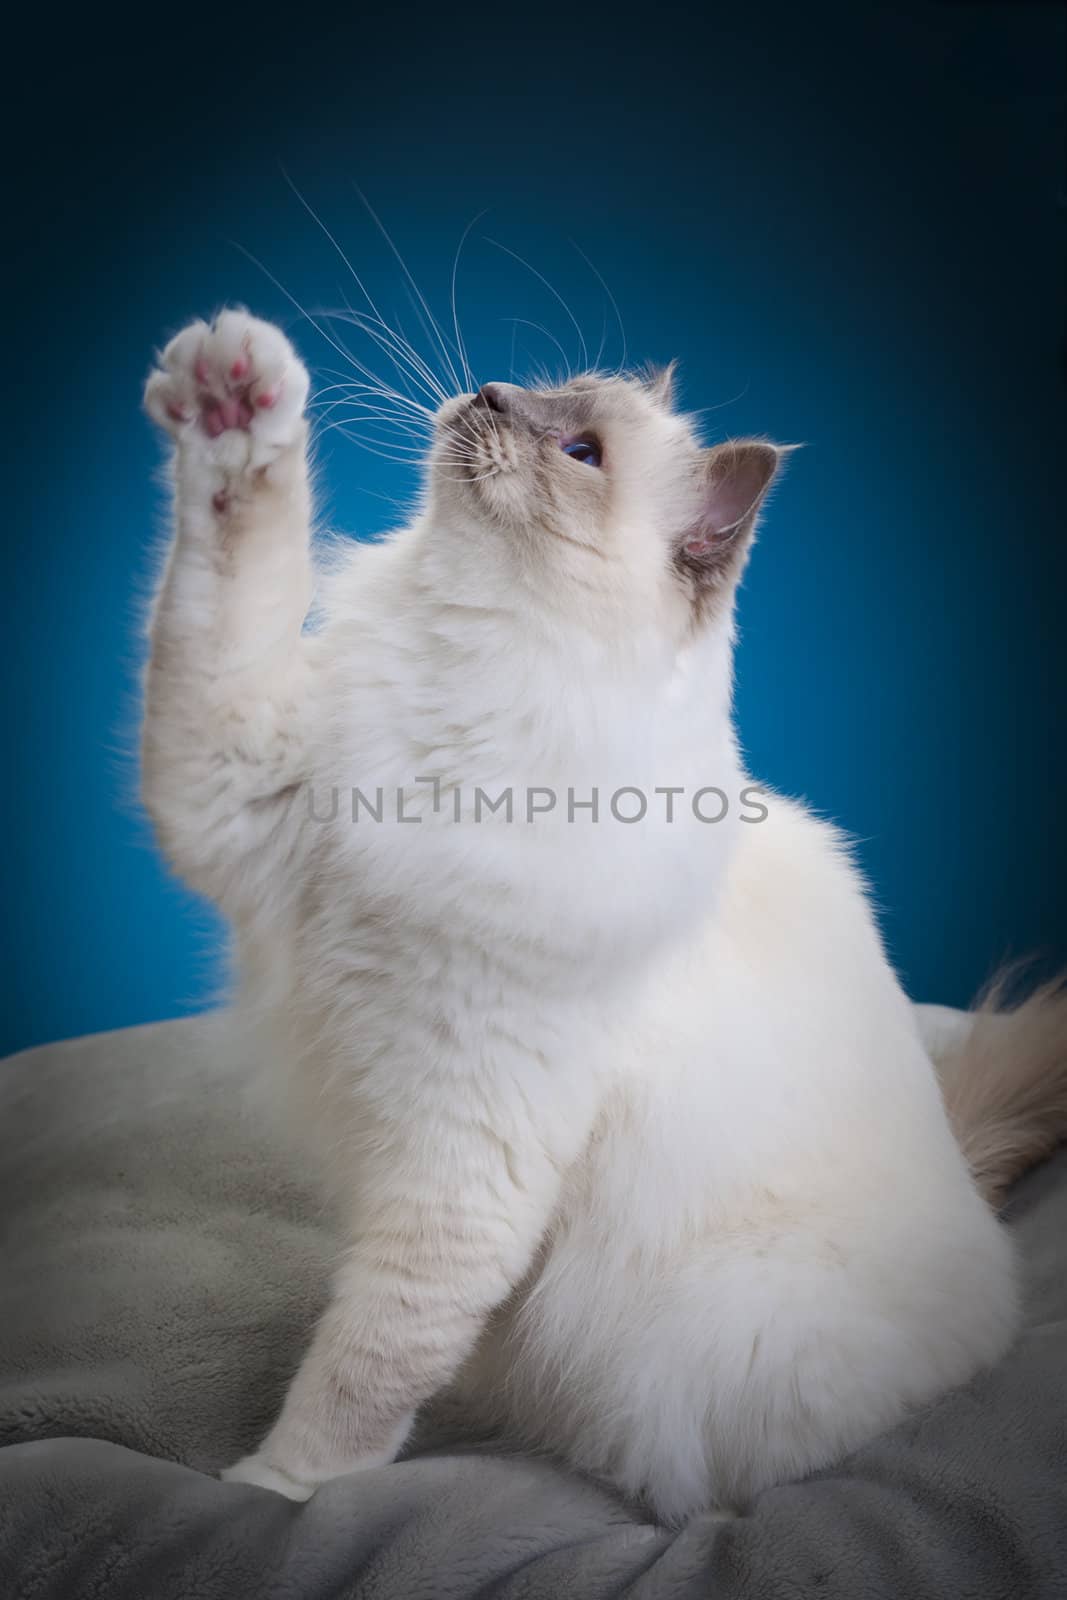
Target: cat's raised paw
x=236 y=383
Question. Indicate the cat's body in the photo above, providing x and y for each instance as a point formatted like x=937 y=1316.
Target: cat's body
x=768 y=1252
x=633 y=1133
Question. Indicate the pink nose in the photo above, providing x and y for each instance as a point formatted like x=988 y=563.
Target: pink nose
x=497 y=396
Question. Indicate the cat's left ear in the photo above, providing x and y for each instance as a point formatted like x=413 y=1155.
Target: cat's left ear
x=736 y=478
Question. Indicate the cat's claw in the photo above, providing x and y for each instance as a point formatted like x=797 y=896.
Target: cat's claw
x=237 y=386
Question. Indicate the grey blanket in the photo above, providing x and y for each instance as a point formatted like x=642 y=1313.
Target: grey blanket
x=159 y=1272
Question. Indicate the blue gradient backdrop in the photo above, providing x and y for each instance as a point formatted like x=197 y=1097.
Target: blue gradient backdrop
x=844 y=220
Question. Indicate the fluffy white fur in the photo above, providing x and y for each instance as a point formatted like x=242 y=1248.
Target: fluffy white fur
x=633 y=1133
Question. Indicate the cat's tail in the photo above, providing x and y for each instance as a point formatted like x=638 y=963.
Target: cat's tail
x=1003 y=1074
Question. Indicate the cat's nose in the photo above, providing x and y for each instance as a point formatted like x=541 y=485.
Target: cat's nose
x=497 y=396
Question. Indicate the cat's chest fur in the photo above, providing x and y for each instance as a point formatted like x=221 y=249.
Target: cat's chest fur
x=574 y=901
x=504 y=797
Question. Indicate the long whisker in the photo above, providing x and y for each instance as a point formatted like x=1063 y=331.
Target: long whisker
x=583 y=352
x=732 y=400
x=398 y=342
x=539 y=328
x=379 y=391
x=466 y=437
x=404 y=460
x=364 y=291
x=390 y=342
x=414 y=425
x=394 y=347
x=423 y=324
x=443 y=346
x=356 y=321
x=455 y=319
x=603 y=340
x=537 y=371
x=354 y=412
x=293 y=301
x=376 y=387
x=393 y=500
x=377 y=418
x=611 y=300
x=407 y=364
x=399 y=351
x=461 y=432
x=417 y=429
x=355 y=386
x=372 y=429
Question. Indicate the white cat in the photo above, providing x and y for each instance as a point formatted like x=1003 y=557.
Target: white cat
x=633 y=1133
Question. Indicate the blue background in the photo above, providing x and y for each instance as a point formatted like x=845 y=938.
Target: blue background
x=847 y=222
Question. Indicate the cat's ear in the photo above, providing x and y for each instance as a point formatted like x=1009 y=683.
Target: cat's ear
x=658 y=382
x=736 y=478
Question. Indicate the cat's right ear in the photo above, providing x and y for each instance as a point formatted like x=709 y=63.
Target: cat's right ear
x=710 y=554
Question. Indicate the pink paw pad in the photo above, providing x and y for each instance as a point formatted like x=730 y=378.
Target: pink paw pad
x=226 y=400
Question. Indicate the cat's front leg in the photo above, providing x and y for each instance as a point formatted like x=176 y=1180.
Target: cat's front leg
x=452 y=1208
x=225 y=688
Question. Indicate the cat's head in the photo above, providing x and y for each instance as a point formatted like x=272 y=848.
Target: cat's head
x=598 y=496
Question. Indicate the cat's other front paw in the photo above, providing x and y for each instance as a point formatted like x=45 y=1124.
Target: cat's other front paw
x=236 y=385
x=255 y=1470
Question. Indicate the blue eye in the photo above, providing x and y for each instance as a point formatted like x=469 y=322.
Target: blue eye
x=586 y=450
